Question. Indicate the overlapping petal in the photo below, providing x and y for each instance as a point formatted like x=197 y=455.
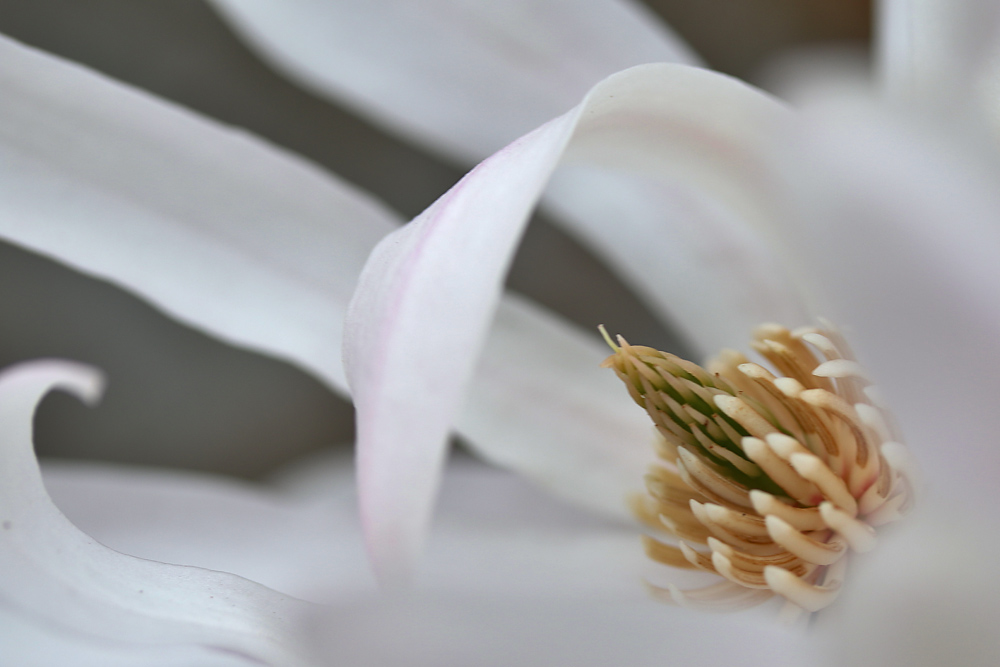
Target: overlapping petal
x=215 y=227
x=536 y=404
x=307 y=545
x=231 y=235
x=80 y=597
x=908 y=261
x=467 y=77
x=506 y=560
x=464 y=77
x=427 y=296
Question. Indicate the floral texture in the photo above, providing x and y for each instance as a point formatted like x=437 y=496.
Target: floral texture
x=776 y=476
x=720 y=205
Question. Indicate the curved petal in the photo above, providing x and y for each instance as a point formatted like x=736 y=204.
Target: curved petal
x=506 y=561
x=38 y=643
x=307 y=547
x=489 y=519
x=401 y=434
x=681 y=250
x=464 y=77
x=219 y=229
x=539 y=402
x=899 y=226
x=428 y=292
x=63 y=585
x=230 y=235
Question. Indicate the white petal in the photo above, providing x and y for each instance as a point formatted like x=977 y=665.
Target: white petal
x=462 y=76
x=25 y=641
x=217 y=228
x=428 y=292
x=415 y=326
x=900 y=229
x=513 y=577
x=699 y=267
x=220 y=230
x=469 y=76
x=539 y=403
x=678 y=193
x=929 y=595
x=61 y=585
x=945 y=55
x=308 y=547
x=458 y=629
x=495 y=535
x=504 y=560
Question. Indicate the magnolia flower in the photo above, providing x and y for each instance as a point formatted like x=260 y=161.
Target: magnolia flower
x=705 y=148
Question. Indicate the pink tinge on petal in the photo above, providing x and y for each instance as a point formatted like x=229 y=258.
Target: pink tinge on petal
x=432 y=286
x=428 y=293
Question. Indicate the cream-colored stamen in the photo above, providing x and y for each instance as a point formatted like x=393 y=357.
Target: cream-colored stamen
x=767 y=480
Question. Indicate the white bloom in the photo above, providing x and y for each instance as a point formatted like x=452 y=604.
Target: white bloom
x=96 y=173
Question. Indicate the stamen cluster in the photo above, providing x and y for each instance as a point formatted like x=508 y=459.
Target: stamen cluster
x=767 y=480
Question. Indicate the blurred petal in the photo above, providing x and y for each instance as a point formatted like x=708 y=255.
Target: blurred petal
x=693 y=260
x=469 y=76
x=942 y=54
x=496 y=535
x=62 y=586
x=460 y=629
x=308 y=547
x=464 y=77
x=539 y=403
x=512 y=576
x=900 y=229
x=931 y=593
x=219 y=229
x=306 y=538
x=46 y=645
x=428 y=293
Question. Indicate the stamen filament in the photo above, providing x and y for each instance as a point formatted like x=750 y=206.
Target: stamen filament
x=768 y=480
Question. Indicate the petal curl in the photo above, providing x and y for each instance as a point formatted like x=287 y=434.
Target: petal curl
x=215 y=227
x=404 y=308
x=428 y=292
x=304 y=545
x=464 y=77
x=61 y=585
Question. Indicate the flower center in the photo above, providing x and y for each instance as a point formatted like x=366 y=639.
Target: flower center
x=766 y=479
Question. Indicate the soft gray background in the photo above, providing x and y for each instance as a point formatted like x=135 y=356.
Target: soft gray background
x=179 y=398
